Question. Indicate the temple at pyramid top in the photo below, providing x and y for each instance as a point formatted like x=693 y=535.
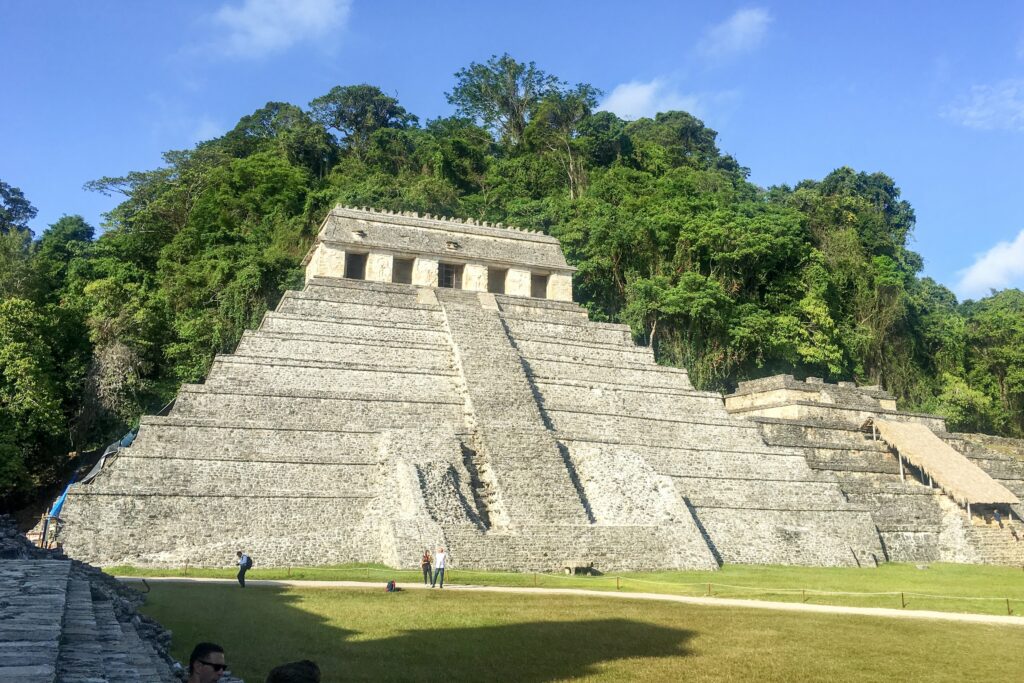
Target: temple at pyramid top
x=428 y=251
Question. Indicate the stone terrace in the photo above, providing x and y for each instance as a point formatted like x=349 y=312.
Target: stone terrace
x=916 y=521
x=61 y=620
x=364 y=422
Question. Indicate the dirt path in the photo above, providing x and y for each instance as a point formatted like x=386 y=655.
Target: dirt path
x=688 y=600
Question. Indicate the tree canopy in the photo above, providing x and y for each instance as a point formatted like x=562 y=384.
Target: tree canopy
x=727 y=279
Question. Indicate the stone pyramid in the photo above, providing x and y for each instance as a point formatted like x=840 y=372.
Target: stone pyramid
x=434 y=384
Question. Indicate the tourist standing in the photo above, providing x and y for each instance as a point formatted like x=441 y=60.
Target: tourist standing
x=440 y=560
x=206 y=663
x=244 y=565
x=425 y=566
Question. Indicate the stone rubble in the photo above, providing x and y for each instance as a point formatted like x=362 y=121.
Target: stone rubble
x=63 y=620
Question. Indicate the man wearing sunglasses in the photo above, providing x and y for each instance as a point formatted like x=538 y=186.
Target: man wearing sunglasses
x=206 y=664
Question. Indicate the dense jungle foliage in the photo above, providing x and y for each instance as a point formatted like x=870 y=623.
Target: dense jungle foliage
x=729 y=280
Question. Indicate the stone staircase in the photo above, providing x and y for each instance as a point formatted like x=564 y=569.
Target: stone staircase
x=55 y=627
x=996 y=545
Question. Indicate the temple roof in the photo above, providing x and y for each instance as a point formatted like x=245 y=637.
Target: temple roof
x=413 y=234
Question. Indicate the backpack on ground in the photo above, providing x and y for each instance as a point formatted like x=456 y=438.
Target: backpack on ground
x=391 y=587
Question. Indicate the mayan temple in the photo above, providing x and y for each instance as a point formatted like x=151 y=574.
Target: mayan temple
x=435 y=384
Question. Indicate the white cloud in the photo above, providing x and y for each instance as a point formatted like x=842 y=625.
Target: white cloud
x=742 y=32
x=256 y=28
x=1000 y=267
x=991 y=107
x=635 y=99
x=638 y=99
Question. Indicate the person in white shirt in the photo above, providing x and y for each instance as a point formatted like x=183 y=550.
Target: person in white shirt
x=440 y=561
x=244 y=564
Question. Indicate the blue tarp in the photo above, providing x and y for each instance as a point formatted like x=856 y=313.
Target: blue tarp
x=59 y=503
x=128 y=438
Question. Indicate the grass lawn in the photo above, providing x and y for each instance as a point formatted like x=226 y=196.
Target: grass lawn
x=356 y=634
x=943 y=587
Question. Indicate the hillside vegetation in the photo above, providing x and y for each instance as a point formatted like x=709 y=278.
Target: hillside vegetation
x=727 y=279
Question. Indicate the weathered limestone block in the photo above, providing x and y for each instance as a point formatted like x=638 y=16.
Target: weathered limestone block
x=378 y=266
x=474 y=277
x=517 y=282
x=327 y=261
x=424 y=272
x=560 y=287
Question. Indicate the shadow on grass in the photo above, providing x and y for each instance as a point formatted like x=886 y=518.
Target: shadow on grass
x=358 y=635
x=531 y=651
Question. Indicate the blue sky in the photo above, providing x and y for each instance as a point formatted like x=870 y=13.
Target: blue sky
x=931 y=93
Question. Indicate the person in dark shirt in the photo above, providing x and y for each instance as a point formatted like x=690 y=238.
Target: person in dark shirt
x=425 y=566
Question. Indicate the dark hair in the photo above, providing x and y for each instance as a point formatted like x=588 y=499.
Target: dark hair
x=200 y=651
x=304 y=671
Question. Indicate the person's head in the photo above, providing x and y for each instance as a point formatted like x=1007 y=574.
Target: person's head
x=304 y=671
x=440 y=549
x=206 y=663
x=239 y=553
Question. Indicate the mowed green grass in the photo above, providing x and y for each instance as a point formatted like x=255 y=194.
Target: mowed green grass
x=359 y=634
x=942 y=587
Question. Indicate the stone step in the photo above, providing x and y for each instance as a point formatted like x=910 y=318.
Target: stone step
x=319 y=348
x=367 y=331
x=292 y=530
x=612 y=356
x=512 y=304
x=585 y=333
x=611 y=548
x=33 y=595
x=161 y=437
x=289 y=410
x=709 y=460
x=834 y=538
x=735 y=436
x=609 y=398
x=351 y=285
x=340 y=290
x=763 y=493
x=81 y=656
x=304 y=305
x=280 y=377
x=206 y=477
x=654 y=376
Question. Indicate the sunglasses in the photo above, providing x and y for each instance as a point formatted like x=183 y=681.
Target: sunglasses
x=215 y=667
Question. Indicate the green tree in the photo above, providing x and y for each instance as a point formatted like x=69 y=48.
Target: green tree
x=356 y=111
x=15 y=210
x=995 y=354
x=31 y=420
x=502 y=94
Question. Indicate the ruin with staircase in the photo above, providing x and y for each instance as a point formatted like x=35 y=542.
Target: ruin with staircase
x=434 y=384
x=933 y=495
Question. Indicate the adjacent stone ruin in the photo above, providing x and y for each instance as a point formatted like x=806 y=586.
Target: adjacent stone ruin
x=62 y=620
x=917 y=519
x=434 y=384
